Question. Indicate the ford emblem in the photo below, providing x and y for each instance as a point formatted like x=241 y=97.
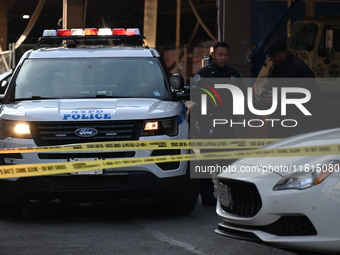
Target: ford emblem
x=86 y=132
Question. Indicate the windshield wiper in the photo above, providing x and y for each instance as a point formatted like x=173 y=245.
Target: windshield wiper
x=106 y=96
x=40 y=97
x=35 y=98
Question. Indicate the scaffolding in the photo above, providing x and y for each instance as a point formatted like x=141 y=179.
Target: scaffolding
x=7 y=58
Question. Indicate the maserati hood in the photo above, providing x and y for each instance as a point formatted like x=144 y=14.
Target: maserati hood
x=263 y=166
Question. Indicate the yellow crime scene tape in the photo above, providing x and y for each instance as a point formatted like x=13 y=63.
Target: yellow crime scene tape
x=151 y=145
x=28 y=170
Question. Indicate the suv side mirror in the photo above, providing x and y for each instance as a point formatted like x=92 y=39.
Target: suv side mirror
x=177 y=82
x=4 y=81
x=3 y=84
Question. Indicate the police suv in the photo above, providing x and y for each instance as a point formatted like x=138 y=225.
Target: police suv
x=94 y=85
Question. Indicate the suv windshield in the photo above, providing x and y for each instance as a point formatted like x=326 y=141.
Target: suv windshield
x=90 y=77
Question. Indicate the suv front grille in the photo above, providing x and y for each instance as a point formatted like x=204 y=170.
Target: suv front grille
x=59 y=133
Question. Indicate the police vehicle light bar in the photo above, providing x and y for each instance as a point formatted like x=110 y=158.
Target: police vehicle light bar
x=93 y=34
x=91 y=31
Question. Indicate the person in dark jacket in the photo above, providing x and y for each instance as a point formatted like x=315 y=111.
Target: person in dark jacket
x=218 y=68
x=285 y=64
x=285 y=67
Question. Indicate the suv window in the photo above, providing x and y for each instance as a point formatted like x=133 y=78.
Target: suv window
x=91 y=77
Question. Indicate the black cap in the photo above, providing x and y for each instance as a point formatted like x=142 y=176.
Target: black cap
x=276 y=45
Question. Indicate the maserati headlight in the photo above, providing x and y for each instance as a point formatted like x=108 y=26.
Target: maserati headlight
x=14 y=129
x=310 y=176
x=161 y=127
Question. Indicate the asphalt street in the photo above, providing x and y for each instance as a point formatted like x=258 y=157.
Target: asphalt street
x=125 y=228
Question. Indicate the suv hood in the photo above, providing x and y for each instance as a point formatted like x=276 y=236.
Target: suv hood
x=90 y=109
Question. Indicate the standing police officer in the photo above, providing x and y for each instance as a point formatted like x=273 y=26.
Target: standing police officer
x=286 y=65
x=218 y=68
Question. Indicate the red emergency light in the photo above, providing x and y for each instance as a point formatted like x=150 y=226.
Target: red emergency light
x=63 y=32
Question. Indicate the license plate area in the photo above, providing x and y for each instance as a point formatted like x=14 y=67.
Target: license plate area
x=90 y=172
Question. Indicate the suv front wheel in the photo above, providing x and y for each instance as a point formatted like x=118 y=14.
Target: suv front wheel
x=8 y=210
x=186 y=203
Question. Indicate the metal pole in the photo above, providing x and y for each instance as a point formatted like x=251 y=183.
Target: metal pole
x=150 y=22
x=85 y=12
x=64 y=14
x=13 y=60
x=224 y=21
x=10 y=57
x=185 y=66
x=178 y=33
x=289 y=2
x=310 y=8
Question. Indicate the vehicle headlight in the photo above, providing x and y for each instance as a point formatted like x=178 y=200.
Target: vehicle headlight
x=310 y=176
x=160 y=127
x=14 y=129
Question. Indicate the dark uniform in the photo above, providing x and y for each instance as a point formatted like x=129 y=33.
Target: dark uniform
x=231 y=76
x=206 y=131
x=213 y=71
x=292 y=67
